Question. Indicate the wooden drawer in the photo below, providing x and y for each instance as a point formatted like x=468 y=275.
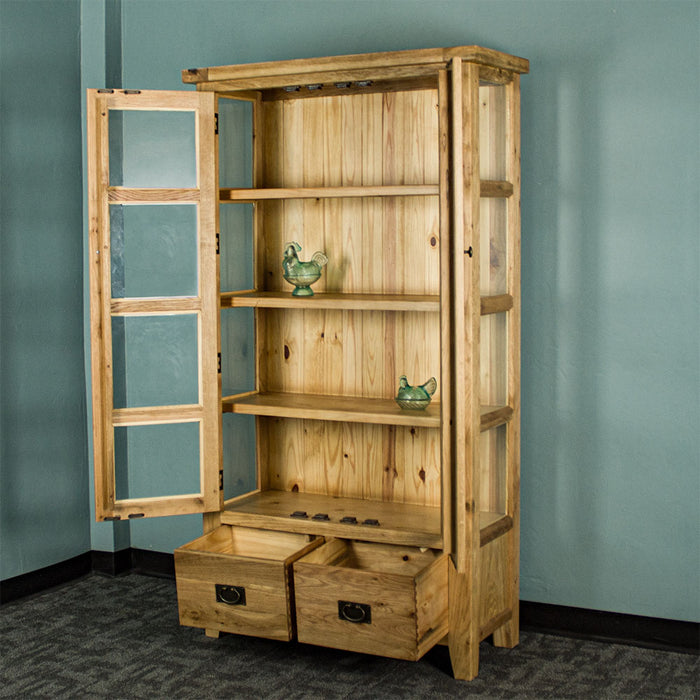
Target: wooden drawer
x=237 y=579
x=372 y=598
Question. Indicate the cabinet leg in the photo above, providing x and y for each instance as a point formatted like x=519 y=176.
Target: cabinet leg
x=508 y=634
x=464 y=658
x=462 y=638
x=214 y=634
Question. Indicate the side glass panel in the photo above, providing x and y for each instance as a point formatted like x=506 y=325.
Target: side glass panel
x=152 y=149
x=492 y=132
x=236 y=259
x=492 y=478
x=237 y=351
x=494 y=359
x=494 y=245
x=153 y=250
x=235 y=143
x=143 y=454
x=155 y=360
x=239 y=454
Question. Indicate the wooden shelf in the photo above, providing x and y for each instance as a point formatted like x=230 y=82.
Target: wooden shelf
x=332 y=408
x=489 y=188
x=353 y=302
x=328 y=300
x=399 y=523
x=349 y=409
x=493 y=525
x=240 y=194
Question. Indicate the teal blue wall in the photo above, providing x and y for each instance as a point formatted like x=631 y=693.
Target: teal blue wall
x=43 y=452
x=611 y=257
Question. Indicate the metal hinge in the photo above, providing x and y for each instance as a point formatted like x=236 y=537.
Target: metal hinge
x=221 y=479
x=218 y=366
x=218 y=243
x=216 y=122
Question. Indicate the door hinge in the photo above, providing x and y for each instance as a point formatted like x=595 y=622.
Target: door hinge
x=218 y=243
x=216 y=122
x=218 y=365
x=221 y=479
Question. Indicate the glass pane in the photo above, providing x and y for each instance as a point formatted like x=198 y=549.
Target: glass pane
x=492 y=479
x=156 y=460
x=155 y=360
x=494 y=246
x=236 y=258
x=237 y=351
x=152 y=149
x=235 y=143
x=494 y=359
x=154 y=250
x=492 y=132
x=239 y=454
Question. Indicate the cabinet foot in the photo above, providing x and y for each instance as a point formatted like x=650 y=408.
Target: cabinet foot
x=214 y=634
x=465 y=660
x=508 y=634
x=462 y=639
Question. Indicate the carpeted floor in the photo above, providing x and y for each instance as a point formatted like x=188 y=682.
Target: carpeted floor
x=102 y=637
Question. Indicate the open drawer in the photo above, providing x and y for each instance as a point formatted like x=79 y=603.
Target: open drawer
x=373 y=598
x=237 y=579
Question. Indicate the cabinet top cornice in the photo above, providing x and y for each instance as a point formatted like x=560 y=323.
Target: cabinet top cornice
x=404 y=64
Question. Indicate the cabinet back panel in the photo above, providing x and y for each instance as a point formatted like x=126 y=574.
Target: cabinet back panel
x=355 y=460
x=382 y=245
x=350 y=353
x=388 y=245
x=370 y=139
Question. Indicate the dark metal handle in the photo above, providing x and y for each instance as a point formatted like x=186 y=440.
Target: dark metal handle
x=231 y=595
x=354 y=612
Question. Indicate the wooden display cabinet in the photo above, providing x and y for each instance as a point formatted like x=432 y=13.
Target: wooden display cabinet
x=397 y=529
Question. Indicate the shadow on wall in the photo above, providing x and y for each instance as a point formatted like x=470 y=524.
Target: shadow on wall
x=562 y=301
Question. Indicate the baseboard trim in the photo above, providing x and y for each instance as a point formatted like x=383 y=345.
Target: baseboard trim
x=132 y=560
x=651 y=632
x=47 y=577
x=620 y=628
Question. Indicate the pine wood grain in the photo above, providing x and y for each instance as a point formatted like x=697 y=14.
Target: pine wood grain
x=400 y=523
x=355 y=66
x=405 y=588
x=256 y=560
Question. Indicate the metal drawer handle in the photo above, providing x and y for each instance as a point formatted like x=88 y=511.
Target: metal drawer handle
x=354 y=612
x=231 y=595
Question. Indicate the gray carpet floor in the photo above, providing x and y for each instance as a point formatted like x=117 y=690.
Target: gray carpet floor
x=101 y=637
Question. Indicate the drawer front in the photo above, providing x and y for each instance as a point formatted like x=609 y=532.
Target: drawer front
x=373 y=612
x=238 y=580
x=233 y=594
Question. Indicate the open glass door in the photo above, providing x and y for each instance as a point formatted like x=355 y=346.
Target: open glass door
x=154 y=302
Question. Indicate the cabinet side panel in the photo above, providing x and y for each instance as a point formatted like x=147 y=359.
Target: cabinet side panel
x=494 y=599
